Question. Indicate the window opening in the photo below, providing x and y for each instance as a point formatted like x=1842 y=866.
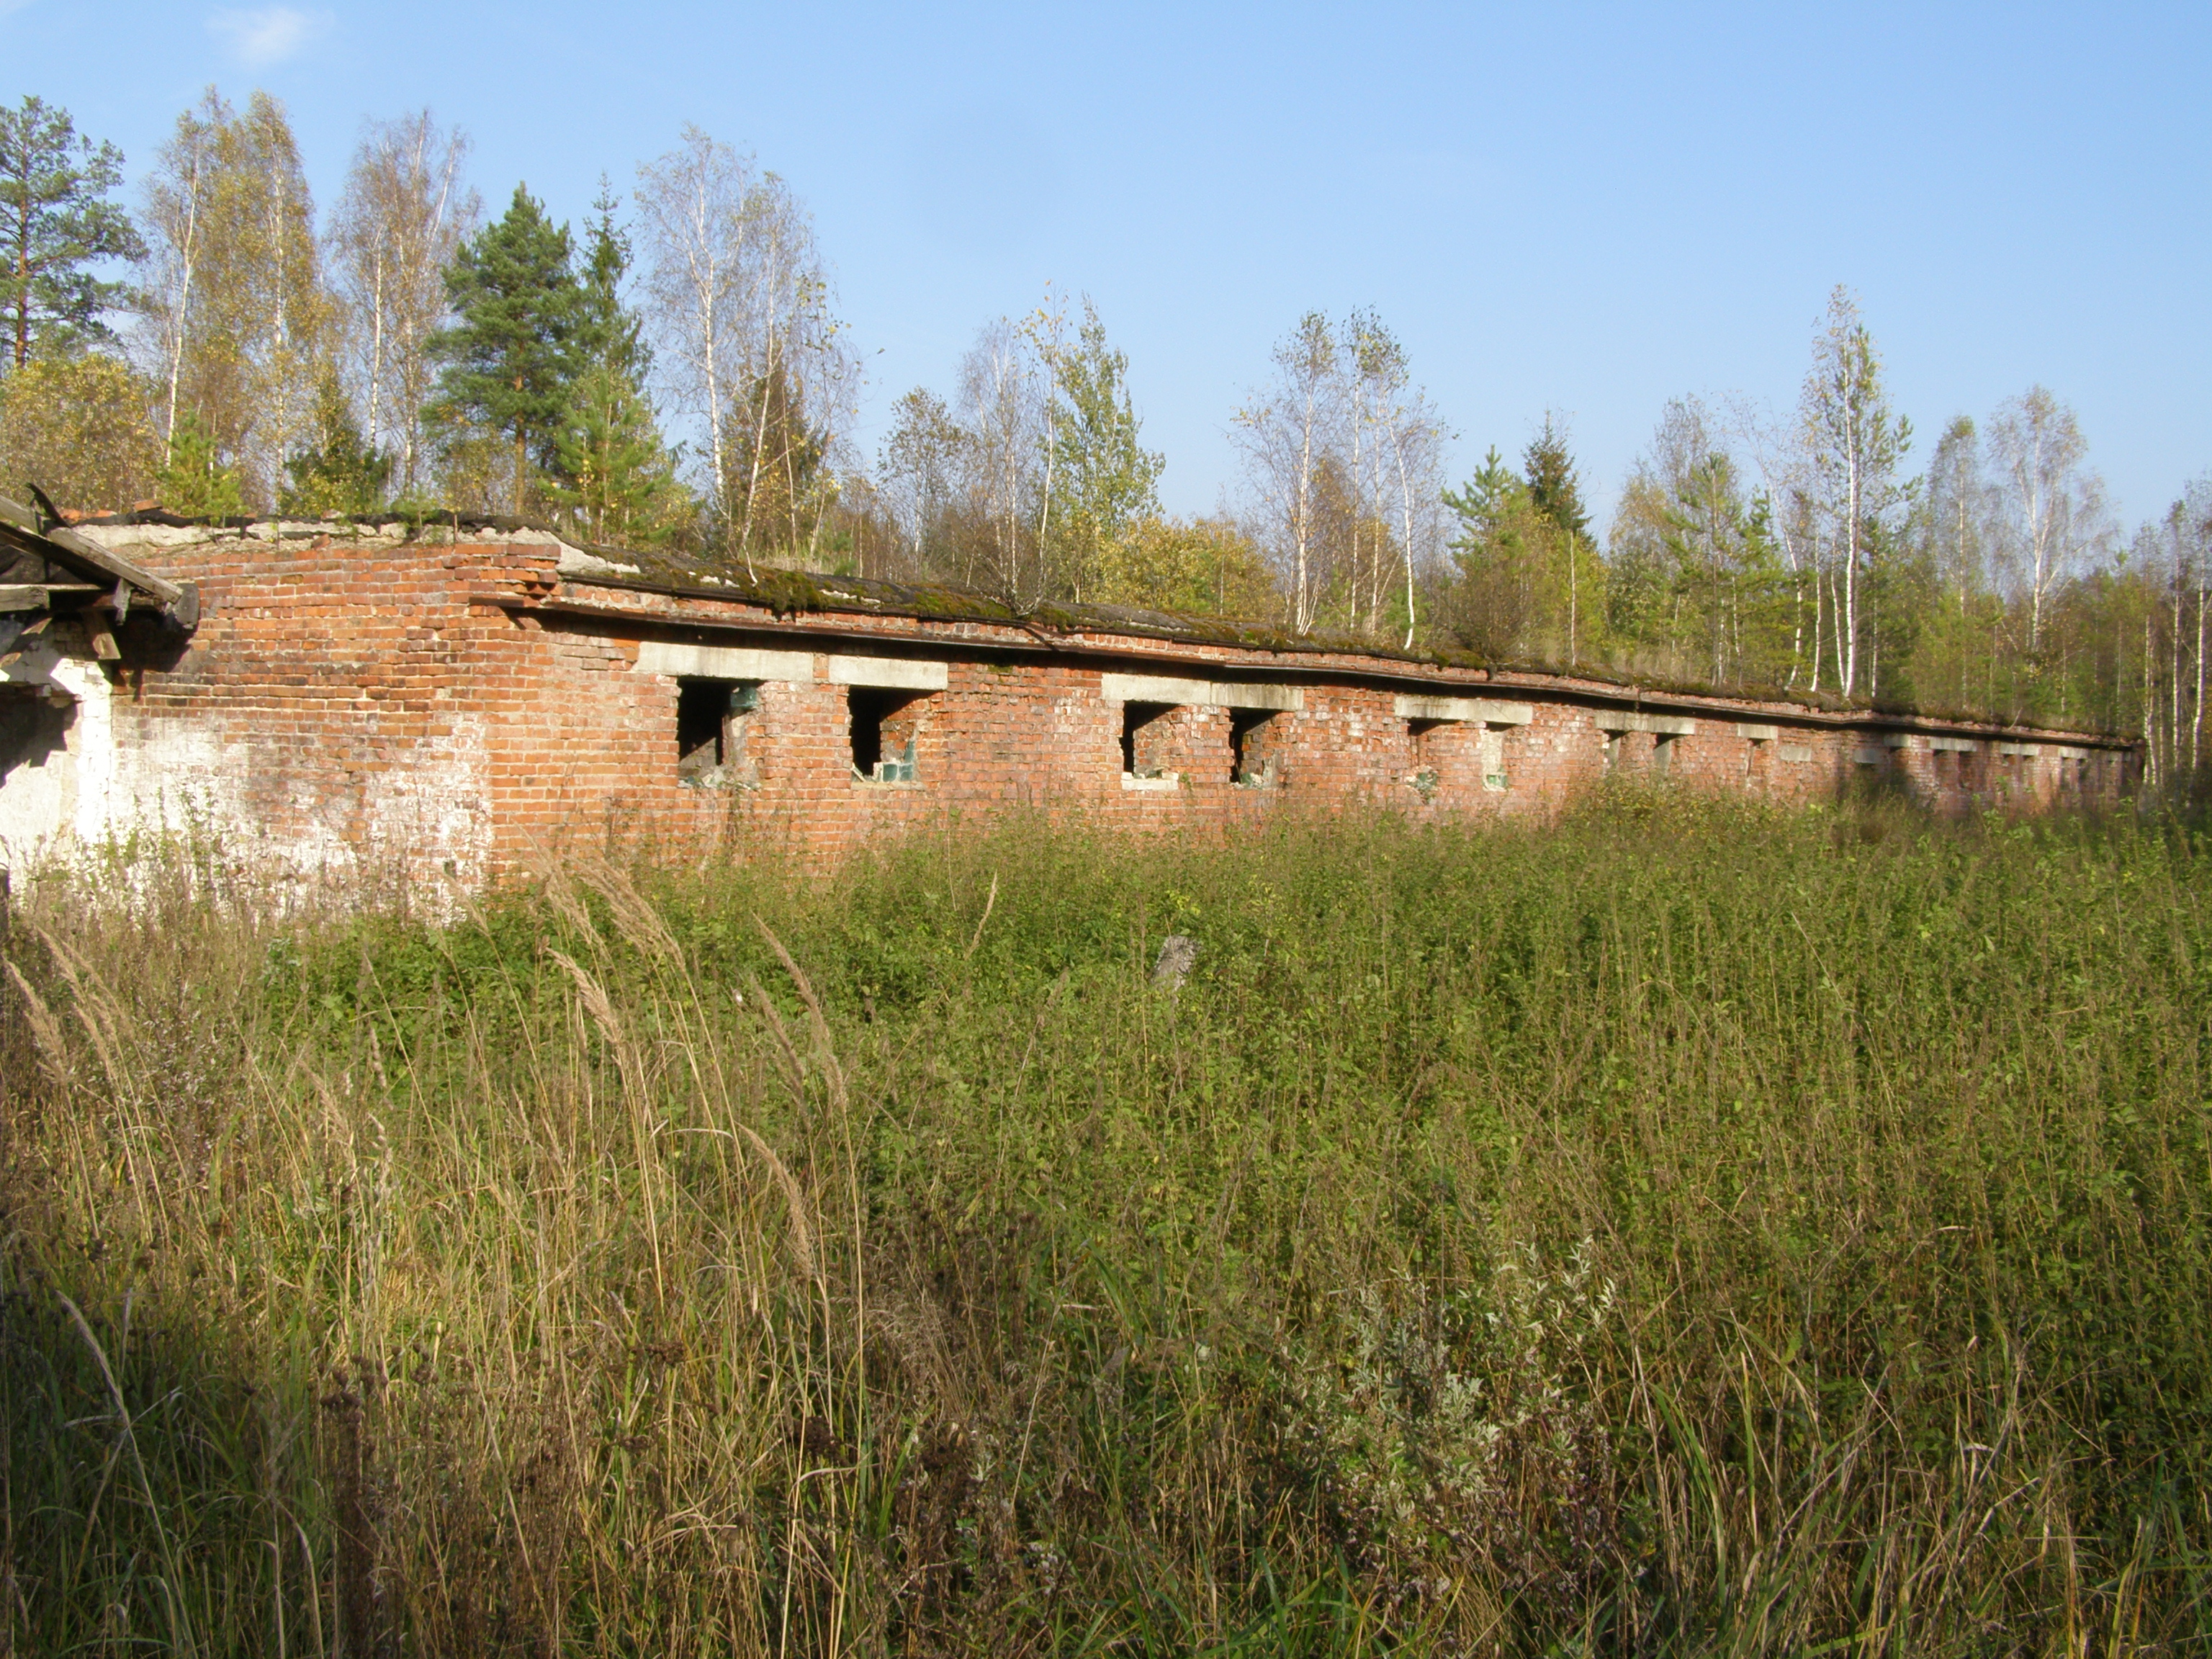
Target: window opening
x=1662 y=755
x=1141 y=738
x=1427 y=776
x=884 y=725
x=710 y=723
x=1251 y=757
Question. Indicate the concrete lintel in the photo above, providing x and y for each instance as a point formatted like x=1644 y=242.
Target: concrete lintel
x=2022 y=750
x=1798 y=752
x=893 y=673
x=2067 y=751
x=1198 y=693
x=1757 y=733
x=723 y=662
x=1488 y=711
x=1662 y=726
x=1954 y=746
x=1897 y=739
x=1865 y=756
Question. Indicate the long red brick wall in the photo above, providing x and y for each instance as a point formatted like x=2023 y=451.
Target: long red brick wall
x=462 y=709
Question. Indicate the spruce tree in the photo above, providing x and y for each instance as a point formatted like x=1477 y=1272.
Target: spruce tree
x=342 y=472
x=54 y=223
x=510 y=361
x=612 y=470
x=1553 y=488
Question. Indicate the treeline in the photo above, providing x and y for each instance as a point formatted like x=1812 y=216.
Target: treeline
x=677 y=376
x=1800 y=550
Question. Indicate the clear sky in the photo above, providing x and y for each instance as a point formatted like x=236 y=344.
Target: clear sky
x=1583 y=209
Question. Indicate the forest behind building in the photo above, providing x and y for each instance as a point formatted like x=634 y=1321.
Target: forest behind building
x=674 y=374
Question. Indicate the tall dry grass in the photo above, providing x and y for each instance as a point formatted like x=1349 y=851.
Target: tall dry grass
x=1681 y=1230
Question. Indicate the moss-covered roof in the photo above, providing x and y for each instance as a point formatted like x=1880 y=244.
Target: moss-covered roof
x=796 y=593
x=787 y=591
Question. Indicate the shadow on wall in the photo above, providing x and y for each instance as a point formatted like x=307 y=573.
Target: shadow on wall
x=37 y=770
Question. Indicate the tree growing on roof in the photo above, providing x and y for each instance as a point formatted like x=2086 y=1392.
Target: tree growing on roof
x=340 y=470
x=509 y=356
x=193 y=480
x=56 y=223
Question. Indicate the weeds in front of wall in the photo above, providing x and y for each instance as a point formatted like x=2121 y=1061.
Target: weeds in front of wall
x=1684 y=1228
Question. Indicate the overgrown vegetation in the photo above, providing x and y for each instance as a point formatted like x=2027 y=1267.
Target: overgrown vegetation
x=1677 y=1229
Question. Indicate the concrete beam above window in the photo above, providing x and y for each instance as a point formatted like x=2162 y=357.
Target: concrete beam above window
x=1484 y=710
x=893 y=673
x=1198 y=693
x=2024 y=750
x=1954 y=746
x=722 y=662
x=1613 y=722
x=1757 y=733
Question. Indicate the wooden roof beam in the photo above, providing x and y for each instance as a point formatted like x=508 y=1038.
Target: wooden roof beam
x=88 y=558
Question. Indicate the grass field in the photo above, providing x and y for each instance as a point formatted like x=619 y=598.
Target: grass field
x=1678 y=1230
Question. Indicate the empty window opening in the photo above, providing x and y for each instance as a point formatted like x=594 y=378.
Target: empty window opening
x=1490 y=749
x=884 y=726
x=1252 y=748
x=1612 y=751
x=1662 y=754
x=1145 y=733
x=1426 y=777
x=711 y=716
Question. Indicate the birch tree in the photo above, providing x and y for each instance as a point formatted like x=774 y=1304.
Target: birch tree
x=1287 y=430
x=740 y=304
x=175 y=218
x=1857 y=443
x=405 y=214
x=1005 y=396
x=692 y=230
x=236 y=285
x=1413 y=435
x=921 y=467
x=2049 y=505
x=1102 y=480
x=1775 y=454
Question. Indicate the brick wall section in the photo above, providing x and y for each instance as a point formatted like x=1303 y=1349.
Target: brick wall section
x=467 y=708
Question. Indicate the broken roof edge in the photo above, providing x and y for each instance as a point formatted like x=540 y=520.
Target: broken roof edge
x=442 y=518
x=786 y=592
x=822 y=630
x=789 y=593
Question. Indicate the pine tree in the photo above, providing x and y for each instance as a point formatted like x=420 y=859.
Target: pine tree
x=341 y=473
x=194 y=481
x=54 y=223
x=510 y=365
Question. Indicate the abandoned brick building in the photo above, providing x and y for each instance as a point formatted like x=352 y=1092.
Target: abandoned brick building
x=457 y=701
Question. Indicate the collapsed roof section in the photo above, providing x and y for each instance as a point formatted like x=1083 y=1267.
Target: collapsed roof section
x=49 y=572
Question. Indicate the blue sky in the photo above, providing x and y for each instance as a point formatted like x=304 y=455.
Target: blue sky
x=1581 y=209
